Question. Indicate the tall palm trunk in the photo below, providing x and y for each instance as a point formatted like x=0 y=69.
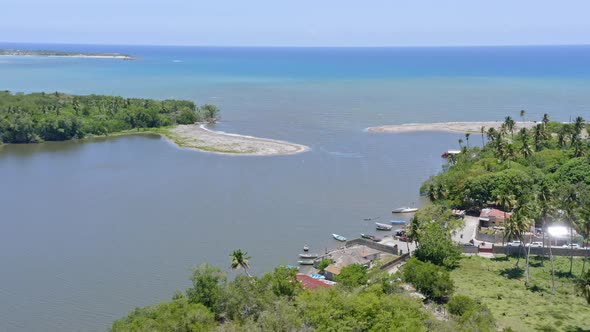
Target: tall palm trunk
x=552 y=267
x=585 y=243
x=543 y=250
x=528 y=255
x=571 y=248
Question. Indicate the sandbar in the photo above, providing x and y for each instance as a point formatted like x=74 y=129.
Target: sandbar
x=198 y=137
x=453 y=127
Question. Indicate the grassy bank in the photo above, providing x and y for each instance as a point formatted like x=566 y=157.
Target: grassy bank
x=500 y=286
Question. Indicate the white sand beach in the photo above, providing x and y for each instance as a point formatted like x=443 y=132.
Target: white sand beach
x=454 y=127
x=199 y=137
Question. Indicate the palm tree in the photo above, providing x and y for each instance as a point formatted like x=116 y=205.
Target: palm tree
x=491 y=133
x=545 y=120
x=545 y=202
x=509 y=123
x=467 y=138
x=522 y=114
x=584 y=286
x=460 y=143
x=239 y=259
x=578 y=125
x=570 y=202
x=526 y=150
x=538 y=137
x=520 y=223
x=482 y=130
x=507 y=201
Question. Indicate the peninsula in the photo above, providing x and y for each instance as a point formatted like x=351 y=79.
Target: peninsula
x=453 y=127
x=50 y=53
x=38 y=117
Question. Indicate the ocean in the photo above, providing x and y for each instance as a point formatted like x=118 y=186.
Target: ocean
x=90 y=230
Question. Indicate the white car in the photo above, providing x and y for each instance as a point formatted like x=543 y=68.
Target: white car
x=514 y=244
x=571 y=245
x=534 y=244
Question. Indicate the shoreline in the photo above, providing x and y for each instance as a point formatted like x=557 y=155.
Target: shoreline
x=121 y=57
x=450 y=127
x=198 y=137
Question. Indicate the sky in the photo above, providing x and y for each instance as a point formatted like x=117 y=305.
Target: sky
x=297 y=22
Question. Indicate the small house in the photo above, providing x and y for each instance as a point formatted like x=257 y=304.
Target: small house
x=490 y=217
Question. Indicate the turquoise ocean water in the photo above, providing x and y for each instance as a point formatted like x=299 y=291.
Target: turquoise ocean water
x=90 y=230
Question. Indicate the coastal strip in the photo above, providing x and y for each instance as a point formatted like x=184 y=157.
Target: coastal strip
x=452 y=127
x=63 y=54
x=198 y=137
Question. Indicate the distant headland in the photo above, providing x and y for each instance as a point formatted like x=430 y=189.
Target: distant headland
x=50 y=53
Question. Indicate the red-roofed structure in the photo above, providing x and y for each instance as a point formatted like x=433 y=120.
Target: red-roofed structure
x=493 y=217
x=311 y=283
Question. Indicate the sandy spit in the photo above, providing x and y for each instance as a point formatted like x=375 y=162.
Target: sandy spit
x=200 y=138
x=453 y=127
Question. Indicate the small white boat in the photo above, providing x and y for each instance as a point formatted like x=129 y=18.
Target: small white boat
x=305 y=262
x=398 y=222
x=383 y=227
x=339 y=237
x=405 y=209
x=308 y=256
x=306 y=248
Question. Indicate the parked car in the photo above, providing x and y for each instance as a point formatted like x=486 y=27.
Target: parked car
x=405 y=239
x=514 y=244
x=468 y=244
x=534 y=244
x=571 y=245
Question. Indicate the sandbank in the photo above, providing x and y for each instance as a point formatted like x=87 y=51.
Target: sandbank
x=453 y=127
x=198 y=137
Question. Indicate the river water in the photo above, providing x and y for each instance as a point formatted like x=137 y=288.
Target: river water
x=89 y=230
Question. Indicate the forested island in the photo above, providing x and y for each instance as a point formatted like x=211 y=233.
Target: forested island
x=49 y=53
x=39 y=117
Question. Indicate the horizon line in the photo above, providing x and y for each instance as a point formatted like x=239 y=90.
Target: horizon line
x=298 y=46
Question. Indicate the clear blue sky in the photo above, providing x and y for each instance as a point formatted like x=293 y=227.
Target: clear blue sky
x=297 y=22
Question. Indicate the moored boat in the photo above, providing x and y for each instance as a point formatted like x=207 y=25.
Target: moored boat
x=305 y=262
x=367 y=236
x=305 y=247
x=309 y=255
x=405 y=209
x=383 y=227
x=398 y=222
x=339 y=237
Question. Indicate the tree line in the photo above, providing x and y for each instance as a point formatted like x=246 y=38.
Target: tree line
x=38 y=117
x=365 y=299
x=541 y=175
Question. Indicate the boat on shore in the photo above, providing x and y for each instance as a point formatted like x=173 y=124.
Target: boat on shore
x=305 y=262
x=397 y=222
x=405 y=209
x=371 y=237
x=338 y=237
x=383 y=227
x=308 y=256
x=367 y=236
x=449 y=153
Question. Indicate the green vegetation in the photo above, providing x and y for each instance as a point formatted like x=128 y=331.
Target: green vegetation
x=432 y=281
x=353 y=275
x=539 y=174
x=497 y=285
x=37 y=117
x=431 y=228
x=366 y=300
